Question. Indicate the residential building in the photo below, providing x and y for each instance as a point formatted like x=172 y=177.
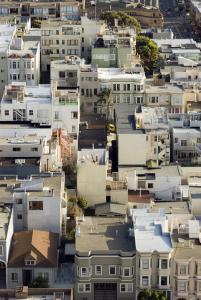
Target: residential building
x=89 y=87
x=166 y=95
x=33 y=253
x=174 y=48
x=187 y=260
x=62 y=38
x=105 y=265
x=24 y=62
x=114 y=48
x=153 y=251
x=6 y=232
x=42 y=9
x=39 y=202
x=104 y=187
x=27 y=103
x=148 y=17
x=27 y=155
x=7 y=34
x=164 y=184
x=152 y=3
x=126 y=85
x=66 y=72
x=145 y=132
x=185 y=138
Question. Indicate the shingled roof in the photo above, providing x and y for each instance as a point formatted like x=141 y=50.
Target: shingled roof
x=37 y=245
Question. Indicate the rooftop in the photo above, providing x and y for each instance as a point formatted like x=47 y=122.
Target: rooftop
x=32 y=94
x=42 y=185
x=37 y=245
x=98 y=156
x=104 y=235
x=151 y=231
x=119 y=74
x=6 y=34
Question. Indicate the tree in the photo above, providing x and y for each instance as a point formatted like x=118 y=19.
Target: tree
x=148 y=51
x=105 y=102
x=82 y=203
x=149 y=294
x=39 y=282
x=122 y=18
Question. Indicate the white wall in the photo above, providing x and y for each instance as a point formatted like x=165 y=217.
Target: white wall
x=132 y=149
x=91 y=182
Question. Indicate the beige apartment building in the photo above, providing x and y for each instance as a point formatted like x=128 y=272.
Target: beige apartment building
x=149 y=17
x=187 y=261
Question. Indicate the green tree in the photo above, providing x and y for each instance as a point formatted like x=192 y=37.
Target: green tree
x=149 y=294
x=82 y=203
x=148 y=51
x=105 y=102
x=123 y=20
x=39 y=282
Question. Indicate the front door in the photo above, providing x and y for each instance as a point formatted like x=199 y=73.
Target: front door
x=27 y=277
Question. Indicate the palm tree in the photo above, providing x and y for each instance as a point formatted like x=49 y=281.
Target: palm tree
x=105 y=102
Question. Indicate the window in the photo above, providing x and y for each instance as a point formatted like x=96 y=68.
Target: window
x=150 y=185
x=98 y=270
x=183 y=270
x=14 y=65
x=36 y=205
x=16 y=149
x=112 y=270
x=56 y=115
x=145 y=280
x=116 y=87
x=57 y=42
x=126 y=287
x=84 y=288
x=145 y=263
x=14 y=277
x=183 y=142
x=19 y=217
x=153 y=99
x=34 y=149
x=18 y=201
x=95 y=92
x=126 y=272
x=164 y=280
x=176 y=140
x=126 y=87
x=6 y=112
x=182 y=286
x=73 y=128
x=31 y=112
x=1 y=250
x=164 y=263
x=74 y=115
x=62 y=75
x=199 y=140
x=30 y=262
x=63 y=42
x=83 y=271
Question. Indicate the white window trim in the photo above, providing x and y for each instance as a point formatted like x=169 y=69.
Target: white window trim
x=141 y=263
x=84 y=288
x=126 y=288
x=98 y=273
x=148 y=280
x=161 y=263
x=15 y=280
x=167 y=280
x=130 y=272
x=115 y=270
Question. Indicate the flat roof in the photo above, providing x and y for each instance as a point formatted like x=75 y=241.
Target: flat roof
x=119 y=74
x=6 y=34
x=167 y=88
x=172 y=207
x=99 y=235
x=151 y=231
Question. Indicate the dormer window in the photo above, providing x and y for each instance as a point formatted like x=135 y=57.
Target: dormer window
x=30 y=262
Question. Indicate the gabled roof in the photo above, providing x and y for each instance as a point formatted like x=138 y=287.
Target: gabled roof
x=37 y=245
